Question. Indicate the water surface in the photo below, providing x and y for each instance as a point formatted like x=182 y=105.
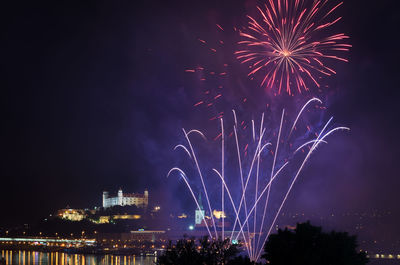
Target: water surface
x=59 y=258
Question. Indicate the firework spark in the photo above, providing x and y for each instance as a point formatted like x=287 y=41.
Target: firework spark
x=213 y=78
x=286 y=43
x=248 y=214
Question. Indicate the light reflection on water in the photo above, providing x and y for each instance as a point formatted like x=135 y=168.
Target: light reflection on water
x=23 y=257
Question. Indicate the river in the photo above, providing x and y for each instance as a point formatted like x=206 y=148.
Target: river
x=59 y=258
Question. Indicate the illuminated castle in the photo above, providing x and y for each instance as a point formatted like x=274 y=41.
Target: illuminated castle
x=122 y=199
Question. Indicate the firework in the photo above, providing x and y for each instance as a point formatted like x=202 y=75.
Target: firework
x=243 y=192
x=288 y=43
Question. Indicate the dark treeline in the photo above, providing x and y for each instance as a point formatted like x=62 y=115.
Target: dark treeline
x=305 y=245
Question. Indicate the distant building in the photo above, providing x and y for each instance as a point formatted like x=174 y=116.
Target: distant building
x=104 y=220
x=199 y=214
x=202 y=220
x=123 y=199
x=126 y=216
x=71 y=214
x=107 y=218
x=219 y=214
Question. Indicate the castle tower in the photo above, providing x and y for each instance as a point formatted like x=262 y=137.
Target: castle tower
x=105 y=199
x=120 y=195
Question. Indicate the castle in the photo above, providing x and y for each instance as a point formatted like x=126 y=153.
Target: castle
x=122 y=199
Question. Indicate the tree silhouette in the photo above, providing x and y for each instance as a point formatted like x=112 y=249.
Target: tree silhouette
x=188 y=251
x=308 y=245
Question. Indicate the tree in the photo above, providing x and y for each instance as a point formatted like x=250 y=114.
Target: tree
x=188 y=251
x=308 y=245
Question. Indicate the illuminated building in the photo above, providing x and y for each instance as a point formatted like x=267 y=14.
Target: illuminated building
x=201 y=219
x=182 y=216
x=199 y=216
x=104 y=219
x=219 y=214
x=123 y=199
x=199 y=213
x=127 y=216
x=71 y=214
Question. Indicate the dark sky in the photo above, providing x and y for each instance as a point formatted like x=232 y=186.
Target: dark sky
x=94 y=95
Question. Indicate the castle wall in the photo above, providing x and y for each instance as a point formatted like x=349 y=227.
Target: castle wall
x=139 y=201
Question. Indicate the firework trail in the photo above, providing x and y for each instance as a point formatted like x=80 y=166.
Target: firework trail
x=288 y=43
x=246 y=187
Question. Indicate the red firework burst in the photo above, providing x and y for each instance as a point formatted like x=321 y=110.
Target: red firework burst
x=286 y=43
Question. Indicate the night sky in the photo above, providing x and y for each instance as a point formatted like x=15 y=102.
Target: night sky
x=94 y=96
